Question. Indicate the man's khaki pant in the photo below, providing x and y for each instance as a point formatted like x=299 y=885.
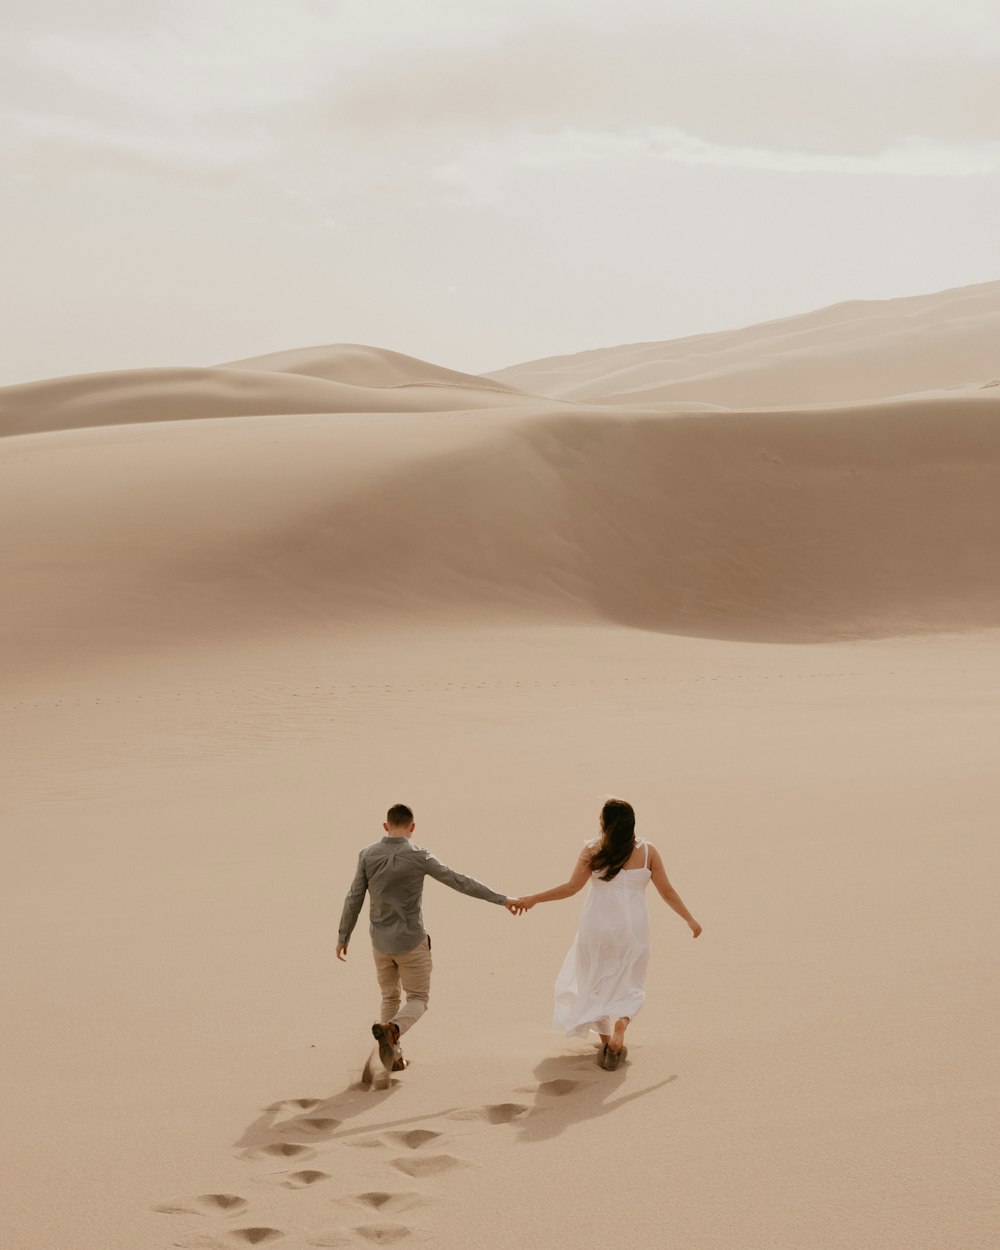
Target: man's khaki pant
x=410 y=971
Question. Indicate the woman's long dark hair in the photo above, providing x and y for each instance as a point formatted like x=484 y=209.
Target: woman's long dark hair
x=617 y=839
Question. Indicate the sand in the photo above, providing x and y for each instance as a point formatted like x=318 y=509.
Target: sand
x=862 y=350
x=231 y=639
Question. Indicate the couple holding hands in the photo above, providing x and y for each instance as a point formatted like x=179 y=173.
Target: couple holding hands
x=601 y=984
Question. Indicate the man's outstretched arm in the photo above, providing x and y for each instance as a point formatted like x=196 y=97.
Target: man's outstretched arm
x=465 y=885
x=352 y=907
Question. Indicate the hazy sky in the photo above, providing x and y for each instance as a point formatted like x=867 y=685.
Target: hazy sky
x=478 y=183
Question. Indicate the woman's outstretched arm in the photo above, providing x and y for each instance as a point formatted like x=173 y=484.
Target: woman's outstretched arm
x=667 y=891
x=578 y=879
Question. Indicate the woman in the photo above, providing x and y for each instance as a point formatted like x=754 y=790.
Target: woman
x=602 y=982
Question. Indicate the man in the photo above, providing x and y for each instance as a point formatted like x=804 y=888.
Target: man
x=392 y=872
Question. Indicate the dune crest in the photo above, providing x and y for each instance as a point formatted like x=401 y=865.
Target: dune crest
x=860 y=350
x=138 y=523
x=356 y=364
x=142 y=395
x=862 y=521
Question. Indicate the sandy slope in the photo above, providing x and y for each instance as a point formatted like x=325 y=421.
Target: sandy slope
x=817 y=1070
x=356 y=364
x=855 y=351
x=851 y=522
x=141 y=395
x=227 y=645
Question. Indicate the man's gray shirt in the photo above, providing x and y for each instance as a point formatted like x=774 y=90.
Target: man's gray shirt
x=392 y=872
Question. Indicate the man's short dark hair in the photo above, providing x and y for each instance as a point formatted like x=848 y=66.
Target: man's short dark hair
x=399 y=816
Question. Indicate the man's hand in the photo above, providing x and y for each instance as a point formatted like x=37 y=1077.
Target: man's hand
x=342 y=953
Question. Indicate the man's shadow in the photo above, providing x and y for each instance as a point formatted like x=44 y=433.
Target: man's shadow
x=289 y=1130
x=571 y=1089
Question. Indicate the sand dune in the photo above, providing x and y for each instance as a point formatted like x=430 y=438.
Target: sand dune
x=228 y=645
x=138 y=395
x=355 y=364
x=793 y=526
x=856 y=351
x=347 y=500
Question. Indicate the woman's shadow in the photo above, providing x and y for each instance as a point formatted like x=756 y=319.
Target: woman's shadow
x=571 y=1089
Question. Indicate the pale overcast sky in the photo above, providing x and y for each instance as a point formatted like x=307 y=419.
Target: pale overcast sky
x=479 y=183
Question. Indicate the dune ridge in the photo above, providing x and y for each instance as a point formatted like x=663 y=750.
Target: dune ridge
x=357 y=364
x=801 y=526
x=391 y=487
x=860 y=350
x=178 y=394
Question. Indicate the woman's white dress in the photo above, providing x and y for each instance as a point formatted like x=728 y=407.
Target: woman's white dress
x=604 y=974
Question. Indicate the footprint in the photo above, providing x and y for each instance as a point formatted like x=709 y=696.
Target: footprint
x=497 y=1113
x=279 y=1150
x=415 y=1138
x=300 y=1104
x=558 y=1087
x=204 y=1204
x=308 y=1124
x=238 y=1239
x=301 y=1180
x=428 y=1165
x=335 y=1237
x=381 y=1201
x=383 y=1234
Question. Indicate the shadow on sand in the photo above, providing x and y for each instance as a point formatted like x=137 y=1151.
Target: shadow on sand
x=571 y=1089
x=291 y=1128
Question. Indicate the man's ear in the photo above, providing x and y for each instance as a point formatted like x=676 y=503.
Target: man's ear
x=385 y=825
x=413 y=825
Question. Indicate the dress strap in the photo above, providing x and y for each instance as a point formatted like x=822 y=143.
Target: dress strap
x=645 y=845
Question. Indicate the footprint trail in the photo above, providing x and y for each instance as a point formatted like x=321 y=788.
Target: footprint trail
x=298 y=1129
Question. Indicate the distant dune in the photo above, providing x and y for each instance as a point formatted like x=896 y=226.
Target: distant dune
x=797 y=526
x=857 y=351
x=355 y=364
x=388 y=489
x=246 y=389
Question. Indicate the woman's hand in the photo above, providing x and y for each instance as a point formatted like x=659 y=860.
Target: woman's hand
x=695 y=928
x=518 y=906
